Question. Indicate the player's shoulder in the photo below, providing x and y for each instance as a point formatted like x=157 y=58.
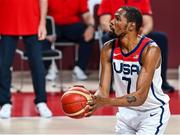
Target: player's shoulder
x=148 y=43
x=151 y=49
x=151 y=44
x=109 y=43
x=107 y=48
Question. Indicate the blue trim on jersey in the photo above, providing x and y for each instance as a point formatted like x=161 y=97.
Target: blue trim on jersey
x=127 y=54
x=112 y=51
x=163 y=103
x=140 y=56
x=160 y=121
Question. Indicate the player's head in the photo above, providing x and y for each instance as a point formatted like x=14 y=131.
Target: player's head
x=126 y=19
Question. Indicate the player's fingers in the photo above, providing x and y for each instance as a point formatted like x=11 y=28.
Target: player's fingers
x=88 y=114
x=90 y=102
x=89 y=108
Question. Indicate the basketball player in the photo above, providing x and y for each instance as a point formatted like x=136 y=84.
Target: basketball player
x=135 y=61
x=106 y=12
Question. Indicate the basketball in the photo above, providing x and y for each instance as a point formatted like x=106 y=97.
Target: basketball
x=74 y=101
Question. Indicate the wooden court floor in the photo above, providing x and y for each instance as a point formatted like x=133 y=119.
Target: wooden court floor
x=101 y=124
x=63 y=125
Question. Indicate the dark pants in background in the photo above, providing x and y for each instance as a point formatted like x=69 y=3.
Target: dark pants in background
x=33 y=49
x=74 y=33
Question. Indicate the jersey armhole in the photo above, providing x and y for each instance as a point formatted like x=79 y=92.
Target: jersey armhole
x=112 y=51
x=140 y=57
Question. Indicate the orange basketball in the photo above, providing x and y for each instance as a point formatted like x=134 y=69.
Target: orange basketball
x=74 y=101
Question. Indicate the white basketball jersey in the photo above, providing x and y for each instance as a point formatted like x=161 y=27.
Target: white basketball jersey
x=126 y=68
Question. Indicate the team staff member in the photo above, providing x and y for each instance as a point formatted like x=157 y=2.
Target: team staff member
x=74 y=23
x=136 y=64
x=106 y=12
x=26 y=19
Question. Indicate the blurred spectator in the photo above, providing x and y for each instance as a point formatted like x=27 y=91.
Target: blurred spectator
x=74 y=23
x=106 y=12
x=91 y=4
x=26 y=19
x=51 y=69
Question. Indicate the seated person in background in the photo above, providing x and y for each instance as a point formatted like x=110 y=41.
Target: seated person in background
x=74 y=23
x=106 y=11
x=50 y=66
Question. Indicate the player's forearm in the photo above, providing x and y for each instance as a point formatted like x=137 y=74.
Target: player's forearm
x=129 y=100
x=102 y=93
x=43 y=11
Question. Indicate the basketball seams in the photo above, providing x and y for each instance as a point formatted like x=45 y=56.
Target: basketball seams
x=76 y=113
x=79 y=88
x=86 y=98
x=75 y=102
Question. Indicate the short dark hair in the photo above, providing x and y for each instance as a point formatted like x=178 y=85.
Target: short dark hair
x=133 y=15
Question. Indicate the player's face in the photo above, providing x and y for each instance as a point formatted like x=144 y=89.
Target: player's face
x=119 y=24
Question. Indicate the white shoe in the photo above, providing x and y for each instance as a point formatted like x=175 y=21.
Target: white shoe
x=52 y=72
x=51 y=76
x=6 y=111
x=79 y=73
x=43 y=109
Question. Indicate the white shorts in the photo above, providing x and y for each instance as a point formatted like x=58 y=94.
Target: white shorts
x=151 y=122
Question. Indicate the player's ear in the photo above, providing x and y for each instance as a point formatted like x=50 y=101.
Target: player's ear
x=132 y=26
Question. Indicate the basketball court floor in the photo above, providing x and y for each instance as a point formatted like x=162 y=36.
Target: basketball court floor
x=25 y=118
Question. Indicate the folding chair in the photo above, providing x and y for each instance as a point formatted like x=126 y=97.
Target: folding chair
x=52 y=54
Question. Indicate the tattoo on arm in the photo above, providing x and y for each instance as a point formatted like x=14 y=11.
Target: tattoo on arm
x=131 y=99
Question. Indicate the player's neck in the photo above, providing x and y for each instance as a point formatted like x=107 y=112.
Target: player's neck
x=129 y=42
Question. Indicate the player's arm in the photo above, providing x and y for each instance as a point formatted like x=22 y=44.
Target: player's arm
x=150 y=61
x=105 y=80
x=105 y=73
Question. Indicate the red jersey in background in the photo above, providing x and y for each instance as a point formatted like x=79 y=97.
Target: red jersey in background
x=111 y=6
x=67 y=12
x=19 y=17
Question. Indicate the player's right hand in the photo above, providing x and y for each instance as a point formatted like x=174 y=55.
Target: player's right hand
x=90 y=107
